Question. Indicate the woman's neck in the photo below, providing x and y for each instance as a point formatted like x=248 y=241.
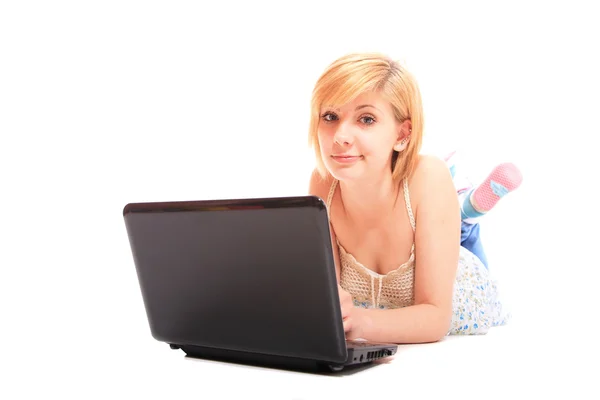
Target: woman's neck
x=369 y=201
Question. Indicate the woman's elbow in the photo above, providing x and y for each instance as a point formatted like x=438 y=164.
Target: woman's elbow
x=435 y=334
x=440 y=325
x=440 y=333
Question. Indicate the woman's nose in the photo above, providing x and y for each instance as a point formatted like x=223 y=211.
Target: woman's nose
x=343 y=135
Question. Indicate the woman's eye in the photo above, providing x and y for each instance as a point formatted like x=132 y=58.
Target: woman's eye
x=329 y=117
x=367 y=120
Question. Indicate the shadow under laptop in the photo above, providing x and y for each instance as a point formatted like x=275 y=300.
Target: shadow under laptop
x=283 y=363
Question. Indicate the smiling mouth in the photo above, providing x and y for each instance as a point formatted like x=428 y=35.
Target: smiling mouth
x=346 y=158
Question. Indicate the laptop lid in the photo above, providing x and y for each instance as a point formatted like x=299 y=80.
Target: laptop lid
x=251 y=275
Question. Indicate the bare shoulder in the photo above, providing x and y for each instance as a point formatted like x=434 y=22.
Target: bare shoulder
x=430 y=170
x=429 y=166
x=431 y=178
x=319 y=186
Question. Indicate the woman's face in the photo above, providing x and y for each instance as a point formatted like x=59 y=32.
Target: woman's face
x=357 y=140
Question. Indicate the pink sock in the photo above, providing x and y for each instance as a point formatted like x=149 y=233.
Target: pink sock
x=503 y=179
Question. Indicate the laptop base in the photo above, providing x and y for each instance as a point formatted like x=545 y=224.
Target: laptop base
x=360 y=356
x=258 y=360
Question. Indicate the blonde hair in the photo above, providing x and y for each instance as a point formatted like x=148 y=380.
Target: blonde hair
x=356 y=73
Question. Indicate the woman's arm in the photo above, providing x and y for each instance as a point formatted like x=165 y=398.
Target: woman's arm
x=437 y=242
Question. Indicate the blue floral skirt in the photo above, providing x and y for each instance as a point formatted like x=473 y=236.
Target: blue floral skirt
x=476 y=306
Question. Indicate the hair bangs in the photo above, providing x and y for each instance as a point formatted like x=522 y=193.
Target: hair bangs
x=345 y=83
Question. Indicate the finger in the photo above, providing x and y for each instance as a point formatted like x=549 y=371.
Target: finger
x=344 y=308
x=345 y=313
x=347 y=325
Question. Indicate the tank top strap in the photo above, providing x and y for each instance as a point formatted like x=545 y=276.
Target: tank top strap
x=408 y=206
x=330 y=196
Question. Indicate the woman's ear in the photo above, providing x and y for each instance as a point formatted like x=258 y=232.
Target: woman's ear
x=404 y=131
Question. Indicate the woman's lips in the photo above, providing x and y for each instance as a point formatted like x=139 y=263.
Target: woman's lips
x=346 y=159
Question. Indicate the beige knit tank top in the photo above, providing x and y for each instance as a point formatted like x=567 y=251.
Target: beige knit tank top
x=370 y=289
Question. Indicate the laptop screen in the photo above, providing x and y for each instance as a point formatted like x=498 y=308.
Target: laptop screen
x=254 y=275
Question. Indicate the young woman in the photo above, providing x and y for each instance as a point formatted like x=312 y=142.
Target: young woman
x=395 y=215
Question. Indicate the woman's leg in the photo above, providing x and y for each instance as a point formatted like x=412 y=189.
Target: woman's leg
x=477 y=201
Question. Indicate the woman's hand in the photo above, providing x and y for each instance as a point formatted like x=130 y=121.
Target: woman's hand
x=353 y=317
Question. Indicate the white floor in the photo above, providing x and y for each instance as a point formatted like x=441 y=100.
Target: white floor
x=506 y=362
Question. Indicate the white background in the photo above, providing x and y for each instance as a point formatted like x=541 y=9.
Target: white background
x=109 y=102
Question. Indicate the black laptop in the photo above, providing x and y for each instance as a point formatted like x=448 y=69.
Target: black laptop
x=244 y=280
